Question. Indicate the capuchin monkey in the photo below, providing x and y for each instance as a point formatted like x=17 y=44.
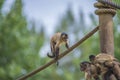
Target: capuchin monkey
x=56 y=41
x=91 y=71
x=108 y=65
x=102 y=57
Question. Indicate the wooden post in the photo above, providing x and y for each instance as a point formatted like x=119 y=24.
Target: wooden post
x=106 y=34
x=106 y=14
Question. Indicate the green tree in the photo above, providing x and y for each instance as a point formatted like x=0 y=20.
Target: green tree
x=19 y=46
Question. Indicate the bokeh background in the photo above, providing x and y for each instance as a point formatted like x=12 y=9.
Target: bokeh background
x=25 y=30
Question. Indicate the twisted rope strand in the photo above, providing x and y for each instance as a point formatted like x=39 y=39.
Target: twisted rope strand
x=109 y=3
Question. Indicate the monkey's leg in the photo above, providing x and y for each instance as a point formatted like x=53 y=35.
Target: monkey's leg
x=112 y=77
x=96 y=77
x=114 y=68
x=116 y=71
x=87 y=76
x=108 y=74
x=57 y=55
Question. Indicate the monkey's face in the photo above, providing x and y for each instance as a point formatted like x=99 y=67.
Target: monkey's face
x=92 y=58
x=64 y=37
x=84 y=65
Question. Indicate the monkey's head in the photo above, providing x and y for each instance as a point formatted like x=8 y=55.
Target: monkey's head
x=64 y=37
x=84 y=65
x=92 y=58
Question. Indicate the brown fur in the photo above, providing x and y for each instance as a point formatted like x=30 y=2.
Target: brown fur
x=108 y=65
x=91 y=71
x=56 y=41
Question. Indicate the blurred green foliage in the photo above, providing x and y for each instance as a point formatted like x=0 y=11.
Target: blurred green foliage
x=20 y=45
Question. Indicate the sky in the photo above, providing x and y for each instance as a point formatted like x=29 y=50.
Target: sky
x=48 y=12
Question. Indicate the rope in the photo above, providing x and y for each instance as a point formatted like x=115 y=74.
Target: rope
x=105 y=11
x=60 y=56
x=109 y=3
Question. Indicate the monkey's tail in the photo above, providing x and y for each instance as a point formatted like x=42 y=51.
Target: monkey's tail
x=50 y=56
x=53 y=56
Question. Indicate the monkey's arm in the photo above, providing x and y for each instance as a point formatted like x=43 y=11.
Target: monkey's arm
x=87 y=76
x=67 y=44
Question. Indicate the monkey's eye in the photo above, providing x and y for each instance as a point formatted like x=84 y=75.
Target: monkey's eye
x=66 y=36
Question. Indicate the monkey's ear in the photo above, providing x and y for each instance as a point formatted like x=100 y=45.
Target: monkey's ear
x=92 y=57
